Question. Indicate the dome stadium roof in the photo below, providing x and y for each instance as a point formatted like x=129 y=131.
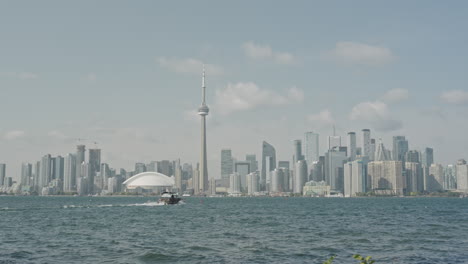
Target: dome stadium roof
x=149 y=179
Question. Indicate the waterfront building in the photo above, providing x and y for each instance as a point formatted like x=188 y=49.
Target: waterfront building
x=140 y=167
x=297 y=150
x=372 y=149
x=450 y=177
x=435 y=179
x=226 y=163
x=355 y=177
x=195 y=180
x=277 y=180
x=178 y=176
x=242 y=168
x=235 y=184
x=311 y=147
x=105 y=174
x=300 y=176
x=316 y=189
x=283 y=164
x=381 y=154
x=80 y=158
x=366 y=143
x=413 y=156
x=400 y=147
x=427 y=157
x=2 y=174
x=203 y=112
x=26 y=174
x=252 y=158
x=252 y=183
x=386 y=176
x=351 y=146
x=317 y=171
x=45 y=175
x=268 y=156
x=414 y=177
x=462 y=176
x=69 y=178
x=58 y=172
x=334 y=161
x=165 y=167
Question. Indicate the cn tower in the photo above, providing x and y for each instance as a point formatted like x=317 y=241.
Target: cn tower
x=203 y=112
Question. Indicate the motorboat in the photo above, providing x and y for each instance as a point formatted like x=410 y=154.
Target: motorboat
x=169 y=198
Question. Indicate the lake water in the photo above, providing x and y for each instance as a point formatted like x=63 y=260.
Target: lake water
x=232 y=230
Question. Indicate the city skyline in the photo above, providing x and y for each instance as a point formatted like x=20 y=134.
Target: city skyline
x=133 y=91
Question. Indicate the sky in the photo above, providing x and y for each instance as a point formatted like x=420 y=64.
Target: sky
x=125 y=76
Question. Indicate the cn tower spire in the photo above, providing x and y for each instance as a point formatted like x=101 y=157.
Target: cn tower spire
x=203 y=87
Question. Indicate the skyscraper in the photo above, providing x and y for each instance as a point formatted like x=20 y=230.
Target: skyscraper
x=26 y=174
x=300 y=176
x=414 y=177
x=242 y=168
x=381 y=153
x=351 y=145
x=94 y=159
x=311 y=147
x=226 y=163
x=334 y=161
x=2 y=174
x=45 y=175
x=386 y=175
x=462 y=176
x=252 y=158
x=80 y=158
x=297 y=150
x=366 y=143
x=203 y=112
x=413 y=156
x=435 y=180
x=400 y=147
x=355 y=177
x=268 y=153
x=427 y=157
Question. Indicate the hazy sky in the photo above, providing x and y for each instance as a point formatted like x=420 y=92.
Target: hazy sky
x=127 y=75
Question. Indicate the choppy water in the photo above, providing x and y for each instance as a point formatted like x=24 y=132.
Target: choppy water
x=232 y=230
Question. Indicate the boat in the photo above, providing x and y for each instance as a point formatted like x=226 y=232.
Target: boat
x=169 y=198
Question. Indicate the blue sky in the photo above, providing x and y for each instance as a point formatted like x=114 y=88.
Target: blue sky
x=127 y=74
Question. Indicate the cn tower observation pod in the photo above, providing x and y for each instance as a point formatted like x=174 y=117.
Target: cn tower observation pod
x=149 y=180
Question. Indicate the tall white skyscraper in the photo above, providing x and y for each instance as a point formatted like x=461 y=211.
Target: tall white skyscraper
x=203 y=112
x=351 y=145
x=300 y=176
x=69 y=178
x=355 y=177
x=252 y=183
x=311 y=147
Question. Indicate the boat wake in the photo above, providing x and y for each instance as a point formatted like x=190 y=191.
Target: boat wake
x=148 y=204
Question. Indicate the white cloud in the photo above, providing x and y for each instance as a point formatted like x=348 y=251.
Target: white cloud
x=14 y=134
x=21 y=75
x=189 y=66
x=258 y=51
x=455 y=97
x=377 y=114
x=324 y=118
x=358 y=53
x=245 y=96
x=396 y=95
